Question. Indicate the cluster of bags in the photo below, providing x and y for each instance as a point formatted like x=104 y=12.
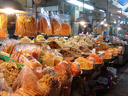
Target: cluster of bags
x=54 y=26
x=35 y=81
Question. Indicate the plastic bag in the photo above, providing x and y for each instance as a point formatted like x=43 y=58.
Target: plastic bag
x=4 y=88
x=66 y=29
x=58 y=57
x=65 y=23
x=8 y=45
x=25 y=26
x=50 y=58
x=32 y=63
x=49 y=82
x=95 y=58
x=26 y=84
x=64 y=74
x=75 y=68
x=3 y=26
x=10 y=72
x=32 y=49
x=56 y=25
x=44 y=25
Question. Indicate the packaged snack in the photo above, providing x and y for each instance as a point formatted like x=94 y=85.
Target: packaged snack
x=31 y=62
x=32 y=49
x=44 y=25
x=4 y=93
x=96 y=59
x=26 y=84
x=4 y=88
x=49 y=82
x=10 y=72
x=58 y=57
x=75 y=68
x=8 y=45
x=3 y=26
x=25 y=26
x=56 y=25
x=50 y=58
x=63 y=70
x=66 y=29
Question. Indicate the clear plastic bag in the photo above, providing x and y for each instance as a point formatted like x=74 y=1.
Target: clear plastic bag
x=75 y=68
x=44 y=25
x=50 y=58
x=66 y=29
x=4 y=88
x=8 y=45
x=26 y=84
x=49 y=82
x=25 y=26
x=32 y=63
x=32 y=49
x=65 y=23
x=10 y=72
x=56 y=25
x=63 y=70
x=3 y=26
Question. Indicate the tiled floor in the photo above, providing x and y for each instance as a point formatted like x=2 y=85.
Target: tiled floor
x=121 y=89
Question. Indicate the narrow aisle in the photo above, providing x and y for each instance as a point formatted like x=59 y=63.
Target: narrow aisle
x=121 y=89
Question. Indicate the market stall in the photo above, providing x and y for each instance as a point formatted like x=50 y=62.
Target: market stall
x=46 y=60
x=51 y=64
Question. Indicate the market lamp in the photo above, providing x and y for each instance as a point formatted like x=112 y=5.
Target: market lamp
x=106 y=24
x=119 y=28
x=82 y=20
x=11 y=6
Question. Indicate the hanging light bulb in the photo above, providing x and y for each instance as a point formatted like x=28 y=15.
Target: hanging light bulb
x=82 y=23
x=11 y=6
x=85 y=26
x=106 y=24
x=119 y=28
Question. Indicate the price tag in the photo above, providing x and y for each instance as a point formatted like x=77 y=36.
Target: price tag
x=28 y=19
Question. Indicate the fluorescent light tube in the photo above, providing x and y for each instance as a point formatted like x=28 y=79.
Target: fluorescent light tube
x=101 y=10
x=80 y=4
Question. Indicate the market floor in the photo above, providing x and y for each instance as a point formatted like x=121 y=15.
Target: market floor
x=121 y=89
